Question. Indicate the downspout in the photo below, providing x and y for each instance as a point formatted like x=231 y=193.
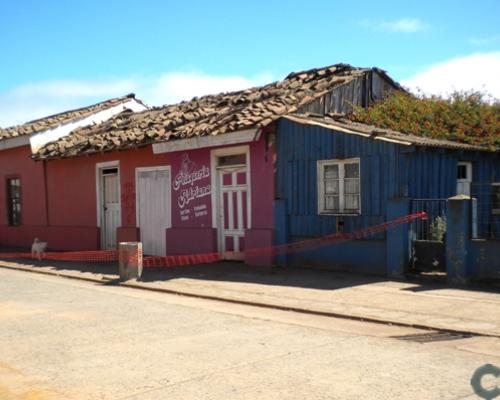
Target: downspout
x=46 y=193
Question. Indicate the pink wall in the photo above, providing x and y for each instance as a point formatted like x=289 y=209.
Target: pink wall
x=192 y=230
x=71 y=222
x=15 y=163
x=262 y=160
x=191 y=189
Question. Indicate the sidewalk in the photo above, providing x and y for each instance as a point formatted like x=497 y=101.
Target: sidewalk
x=425 y=305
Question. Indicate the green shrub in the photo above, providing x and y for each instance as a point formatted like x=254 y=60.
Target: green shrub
x=438 y=229
x=465 y=117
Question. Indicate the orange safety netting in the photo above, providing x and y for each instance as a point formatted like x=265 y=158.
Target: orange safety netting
x=192 y=259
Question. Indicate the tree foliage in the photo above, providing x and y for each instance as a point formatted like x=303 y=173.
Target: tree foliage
x=466 y=117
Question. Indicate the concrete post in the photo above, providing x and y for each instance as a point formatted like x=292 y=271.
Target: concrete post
x=457 y=239
x=397 y=239
x=130 y=260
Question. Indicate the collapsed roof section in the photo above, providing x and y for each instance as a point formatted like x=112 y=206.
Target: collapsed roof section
x=228 y=112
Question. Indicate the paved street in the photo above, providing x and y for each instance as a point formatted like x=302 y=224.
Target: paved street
x=67 y=339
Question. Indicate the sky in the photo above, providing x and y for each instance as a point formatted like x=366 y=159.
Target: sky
x=56 y=54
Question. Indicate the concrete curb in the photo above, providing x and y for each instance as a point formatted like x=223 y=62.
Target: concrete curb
x=55 y=273
x=132 y=285
x=311 y=311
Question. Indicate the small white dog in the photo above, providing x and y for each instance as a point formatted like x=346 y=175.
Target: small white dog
x=38 y=248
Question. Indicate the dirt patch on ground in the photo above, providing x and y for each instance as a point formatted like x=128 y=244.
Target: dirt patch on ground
x=30 y=394
x=14 y=385
x=11 y=309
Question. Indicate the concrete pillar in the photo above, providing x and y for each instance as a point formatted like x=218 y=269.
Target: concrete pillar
x=130 y=260
x=397 y=242
x=457 y=239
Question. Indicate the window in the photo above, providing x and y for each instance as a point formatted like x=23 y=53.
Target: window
x=14 y=201
x=234 y=159
x=495 y=198
x=464 y=177
x=339 y=186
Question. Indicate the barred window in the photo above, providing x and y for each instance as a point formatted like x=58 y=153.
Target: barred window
x=14 y=201
x=339 y=187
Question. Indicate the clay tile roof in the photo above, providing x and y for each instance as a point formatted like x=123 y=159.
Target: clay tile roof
x=340 y=123
x=207 y=115
x=55 y=120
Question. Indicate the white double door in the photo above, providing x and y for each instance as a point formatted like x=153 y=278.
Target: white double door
x=153 y=208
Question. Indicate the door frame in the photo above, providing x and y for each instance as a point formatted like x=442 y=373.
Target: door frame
x=216 y=193
x=100 y=193
x=169 y=211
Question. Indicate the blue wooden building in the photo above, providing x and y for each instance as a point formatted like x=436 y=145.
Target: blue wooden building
x=334 y=175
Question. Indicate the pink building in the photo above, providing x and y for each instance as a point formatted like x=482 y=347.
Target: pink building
x=194 y=177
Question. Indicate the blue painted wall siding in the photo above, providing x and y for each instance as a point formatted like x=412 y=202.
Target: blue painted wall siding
x=484 y=255
x=365 y=256
x=388 y=171
x=301 y=146
x=432 y=173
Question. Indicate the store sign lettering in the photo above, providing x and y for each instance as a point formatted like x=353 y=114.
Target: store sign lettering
x=186 y=183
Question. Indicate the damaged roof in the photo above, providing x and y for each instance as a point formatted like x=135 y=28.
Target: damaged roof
x=207 y=115
x=345 y=125
x=53 y=121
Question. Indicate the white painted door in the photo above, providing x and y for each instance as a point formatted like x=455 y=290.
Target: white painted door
x=110 y=207
x=153 y=208
x=233 y=211
x=464 y=177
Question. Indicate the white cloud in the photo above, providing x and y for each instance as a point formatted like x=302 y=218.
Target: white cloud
x=406 y=25
x=39 y=99
x=478 y=72
x=70 y=89
x=175 y=87
x=402 y=25
x=484 y=41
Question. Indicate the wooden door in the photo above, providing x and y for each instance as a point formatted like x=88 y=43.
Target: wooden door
x=110 y=210
x=153 y=208
x=233 y=211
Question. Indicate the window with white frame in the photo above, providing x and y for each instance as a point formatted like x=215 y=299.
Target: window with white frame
x=339 y=187
x=464 y=177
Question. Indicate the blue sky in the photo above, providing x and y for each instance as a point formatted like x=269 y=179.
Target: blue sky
x=57 y=55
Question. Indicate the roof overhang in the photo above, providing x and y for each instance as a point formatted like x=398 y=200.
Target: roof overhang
x=333 y=126
x=14 y=142
x=224 y=139
x=387 y=135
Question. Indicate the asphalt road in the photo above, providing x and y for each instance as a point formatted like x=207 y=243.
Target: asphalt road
x=66 y=339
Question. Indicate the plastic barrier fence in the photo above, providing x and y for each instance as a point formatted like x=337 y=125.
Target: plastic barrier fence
x=192 y=259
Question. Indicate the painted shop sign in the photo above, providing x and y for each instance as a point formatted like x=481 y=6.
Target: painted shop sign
x=192 y=189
